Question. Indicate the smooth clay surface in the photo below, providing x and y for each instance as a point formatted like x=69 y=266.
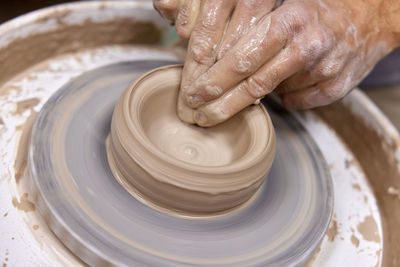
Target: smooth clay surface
x=181 y=168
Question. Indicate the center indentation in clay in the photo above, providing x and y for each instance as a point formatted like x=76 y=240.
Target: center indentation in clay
x=218 y=146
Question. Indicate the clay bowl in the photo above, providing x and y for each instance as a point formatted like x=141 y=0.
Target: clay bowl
x=181 y=168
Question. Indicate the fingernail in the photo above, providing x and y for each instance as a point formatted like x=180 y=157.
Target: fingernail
x=194 y=101
x=200 y=118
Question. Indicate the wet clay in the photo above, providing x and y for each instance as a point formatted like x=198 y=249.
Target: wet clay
x=23 y=204
x=355 y=241
x=88 y=34
x=332 y=231
x=378 y=161
x=182 y=168
x=369 y=230
x=20 y=160
x=26 y=104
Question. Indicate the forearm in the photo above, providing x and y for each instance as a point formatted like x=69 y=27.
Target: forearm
x=390 y=19
x=378 y=19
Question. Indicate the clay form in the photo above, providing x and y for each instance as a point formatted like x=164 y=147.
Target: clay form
x=103 y=224
x=181 y=168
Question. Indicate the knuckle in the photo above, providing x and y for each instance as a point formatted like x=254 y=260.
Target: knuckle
x=318 y=45
x=293 y=18
x=183 y=16
x=205 y=29
x=328 y=70
x=256 y=87
x=201 y=48
x=333 y=92
x=244 y=63
x=330 y=66
x=274 y=76
x=254 y=4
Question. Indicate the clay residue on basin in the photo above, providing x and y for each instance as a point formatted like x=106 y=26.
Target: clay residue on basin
x=355 y=241
x=23 y=203
x=332 y=231
x=20 y=159
x=89 y=34
x=369 y=230
x=377 y=159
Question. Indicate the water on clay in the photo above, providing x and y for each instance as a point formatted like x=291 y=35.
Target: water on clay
x=103 y=223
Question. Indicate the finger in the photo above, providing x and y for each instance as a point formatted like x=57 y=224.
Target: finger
x=185 y=113
x=186 y=18
x=224 y=107
x=167 y=8
x=325 y=70
x=325 y=62
x=249 y=90
x=265 y=79
x=246 y=14
x=320 y=95
x=205 y=37
x=261 y=44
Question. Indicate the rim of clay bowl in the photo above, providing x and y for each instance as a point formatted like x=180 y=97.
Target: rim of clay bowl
x=144 y=145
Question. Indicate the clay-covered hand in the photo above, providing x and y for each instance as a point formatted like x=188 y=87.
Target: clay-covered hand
x=312 y=52
x=181 y=13
x=213 y=27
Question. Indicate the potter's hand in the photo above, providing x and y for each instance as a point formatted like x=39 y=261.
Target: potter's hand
x=312 y=52
x=213 y=27
x=181 y=13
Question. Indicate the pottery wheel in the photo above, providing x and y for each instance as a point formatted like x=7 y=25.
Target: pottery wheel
x=97 y=219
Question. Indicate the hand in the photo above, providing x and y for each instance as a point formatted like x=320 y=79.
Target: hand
x=311 y=52
x=213 y=26
x=181 y=13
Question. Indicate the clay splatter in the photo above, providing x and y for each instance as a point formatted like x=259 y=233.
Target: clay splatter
x=19 y=173
x=5 y=214
x=314 y=257
x=394 y=192
x=23 y=204
x=369 y=230
x=348 y=163
x=356 y=187
x=354 y=240
x=35 y=227
x=378 y=253
x=332 y=231
x=26 y=104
